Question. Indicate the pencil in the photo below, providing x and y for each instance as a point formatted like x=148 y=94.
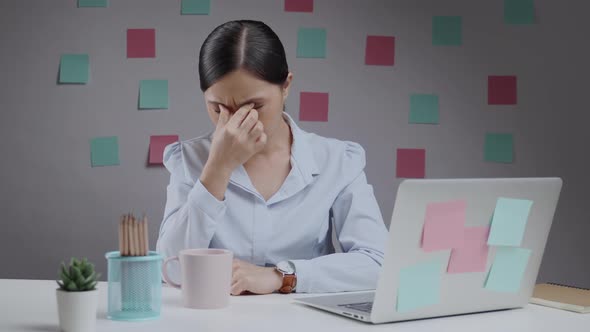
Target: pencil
x=125 y=237
x=140 y=235
x=135 y=237
x=121 y=236
x=130 y=235
x=146 y=235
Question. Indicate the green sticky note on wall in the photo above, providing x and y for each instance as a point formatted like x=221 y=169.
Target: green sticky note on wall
x=447 y=30
x=509 y=221
x=104 y=151
x=499 y=148
x=424 y=108
x=92 y=3
x=74 y=68
x=507 y=269
x=153 y=94
x=195 y=7
x=311 y=43
x=519 y=11
x=419 y=285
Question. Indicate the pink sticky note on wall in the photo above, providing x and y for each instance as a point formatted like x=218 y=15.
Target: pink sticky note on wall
x=304 y=6
x=444 y=224
x=380 y=51
x=410 y=163
x=141 y=43
x=313 y=106
x=473 y=255
x=157 y=145
x=502 y=90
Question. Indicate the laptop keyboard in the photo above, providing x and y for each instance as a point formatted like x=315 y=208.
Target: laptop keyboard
x=362 y=306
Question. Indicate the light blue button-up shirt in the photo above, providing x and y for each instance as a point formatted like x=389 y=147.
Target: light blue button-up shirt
x=326 y=187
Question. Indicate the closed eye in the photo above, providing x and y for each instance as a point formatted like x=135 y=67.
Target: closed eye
x=256 y=107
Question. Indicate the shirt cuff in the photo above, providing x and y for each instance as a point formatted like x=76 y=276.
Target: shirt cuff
x=303 y=270
x=205 y=201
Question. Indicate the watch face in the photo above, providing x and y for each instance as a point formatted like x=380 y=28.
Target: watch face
x=286 y=267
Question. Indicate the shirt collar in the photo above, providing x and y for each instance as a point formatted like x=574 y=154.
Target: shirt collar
x=301 y=149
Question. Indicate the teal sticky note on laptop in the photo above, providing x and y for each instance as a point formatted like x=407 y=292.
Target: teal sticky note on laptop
x=419 y=285
x=104 y=151
x=311 y=43
x=74 y=68
x=153 y=94
x=508 y=269
x=509 y=221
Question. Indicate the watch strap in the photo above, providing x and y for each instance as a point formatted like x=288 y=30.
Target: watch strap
x=289 y=283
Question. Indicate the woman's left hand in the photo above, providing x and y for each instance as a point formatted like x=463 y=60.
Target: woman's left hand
x=254 y=279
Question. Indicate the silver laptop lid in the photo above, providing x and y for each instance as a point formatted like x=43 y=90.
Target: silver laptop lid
x=461 y=292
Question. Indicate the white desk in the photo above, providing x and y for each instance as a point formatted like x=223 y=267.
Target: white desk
x=30 y=305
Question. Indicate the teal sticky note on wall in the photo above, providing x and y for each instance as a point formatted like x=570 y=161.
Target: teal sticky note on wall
x=507 y=269
x=509 y=221
x=447 y=30
x=92 y=3
x=499 y=148
x=311 y=43
x=74 y=68
x=153 y=94
x=104 y=151
x=519 y=11
x=424 y=108
x=195 y=7
x=419 y=285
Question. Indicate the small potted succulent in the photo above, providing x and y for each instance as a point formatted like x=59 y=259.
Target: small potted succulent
x=77 y=296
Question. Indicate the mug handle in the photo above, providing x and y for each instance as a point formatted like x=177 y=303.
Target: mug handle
x=165 y=271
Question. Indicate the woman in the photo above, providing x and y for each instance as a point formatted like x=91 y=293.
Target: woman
x=263 y=188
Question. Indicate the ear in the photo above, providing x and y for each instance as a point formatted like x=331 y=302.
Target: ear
x=286 y=86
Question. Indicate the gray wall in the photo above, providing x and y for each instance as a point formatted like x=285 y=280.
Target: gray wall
x=54 y=205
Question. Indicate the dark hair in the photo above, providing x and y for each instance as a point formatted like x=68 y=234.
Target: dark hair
x=243 y=44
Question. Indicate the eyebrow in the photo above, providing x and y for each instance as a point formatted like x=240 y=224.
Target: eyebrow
x=253 y=100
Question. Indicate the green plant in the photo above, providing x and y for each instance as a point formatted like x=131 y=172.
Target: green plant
x=79 y=276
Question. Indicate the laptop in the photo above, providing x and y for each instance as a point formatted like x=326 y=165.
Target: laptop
x=457 y=293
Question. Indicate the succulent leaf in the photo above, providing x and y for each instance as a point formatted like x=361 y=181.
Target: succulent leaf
x=78 y=276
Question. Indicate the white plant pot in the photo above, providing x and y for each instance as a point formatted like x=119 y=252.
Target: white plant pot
x=77 y=310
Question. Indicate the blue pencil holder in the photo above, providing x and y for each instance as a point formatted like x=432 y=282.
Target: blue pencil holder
x=134 y=286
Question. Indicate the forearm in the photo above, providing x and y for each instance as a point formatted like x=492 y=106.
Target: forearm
x=339 y=272
x=215 y=178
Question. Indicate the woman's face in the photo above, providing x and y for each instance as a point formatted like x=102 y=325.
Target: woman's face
x=239 y=88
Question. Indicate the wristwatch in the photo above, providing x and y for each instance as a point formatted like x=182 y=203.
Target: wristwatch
x=287 y=269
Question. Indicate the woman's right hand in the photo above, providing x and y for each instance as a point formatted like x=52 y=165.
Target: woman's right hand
x=235 y=140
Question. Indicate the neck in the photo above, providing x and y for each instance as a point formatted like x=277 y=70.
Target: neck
x=280 y=140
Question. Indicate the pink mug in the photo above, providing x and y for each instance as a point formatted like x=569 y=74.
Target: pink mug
x=205 y=277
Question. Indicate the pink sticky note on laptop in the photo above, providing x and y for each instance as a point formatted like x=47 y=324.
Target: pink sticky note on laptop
x=443 y=225
x=473 y=255
x=313 y=106
x=157 y=145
